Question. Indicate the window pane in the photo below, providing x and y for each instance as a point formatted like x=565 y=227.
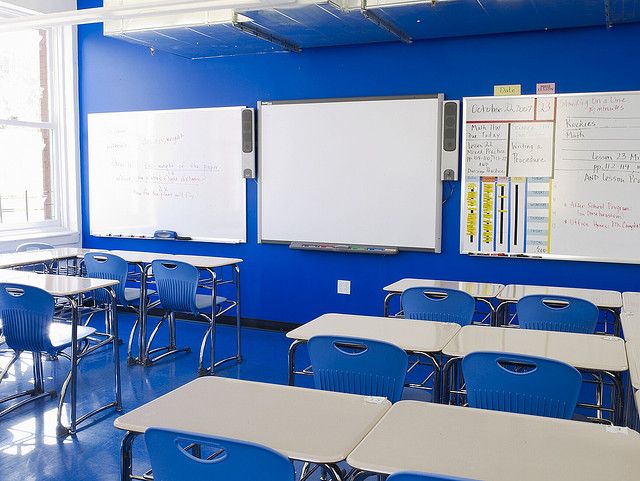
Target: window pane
x=24 y=78
x=26 y=182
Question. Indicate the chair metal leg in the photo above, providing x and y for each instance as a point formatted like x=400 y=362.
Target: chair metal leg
x=5 y=370
x=34 y=394
x=207 y=336
x=172 y=331
x=170 y=349
x=130 y=359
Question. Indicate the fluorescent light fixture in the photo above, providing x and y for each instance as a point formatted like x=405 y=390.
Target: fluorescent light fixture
x=151 y=9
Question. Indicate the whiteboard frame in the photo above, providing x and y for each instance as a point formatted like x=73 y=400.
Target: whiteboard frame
x=463 y=181
x=210 y=240
x=438 y=226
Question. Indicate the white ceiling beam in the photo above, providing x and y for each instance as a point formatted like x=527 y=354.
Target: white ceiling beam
x=152 y=9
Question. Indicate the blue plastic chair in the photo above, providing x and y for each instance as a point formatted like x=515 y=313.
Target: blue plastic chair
x=27 y=322
x=231 y=460
x=414 y=476
x=358 y=366
x=33 y=246
x=521 y=384
x=438 y=304
x=43 y=267
x=177 y=288
x=557 y=313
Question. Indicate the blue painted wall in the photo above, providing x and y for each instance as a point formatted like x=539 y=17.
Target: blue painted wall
x=295 y=286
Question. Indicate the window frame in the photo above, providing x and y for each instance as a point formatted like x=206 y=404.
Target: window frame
x=62 y=74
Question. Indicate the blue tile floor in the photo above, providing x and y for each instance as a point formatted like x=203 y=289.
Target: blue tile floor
x=29 y=448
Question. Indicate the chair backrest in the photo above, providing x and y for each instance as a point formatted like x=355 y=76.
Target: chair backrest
x=521 y=384
x=33 y=246
x=438 y=304
x=358 y=366
x=235 y=460
x=102 y=265
x=557 y=313
x=177 y=284
x=414 y=476
x=26 y=313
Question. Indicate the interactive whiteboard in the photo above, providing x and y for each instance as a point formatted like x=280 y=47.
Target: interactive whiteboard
x=554 y=176
x=179 y=170
x=351 y=171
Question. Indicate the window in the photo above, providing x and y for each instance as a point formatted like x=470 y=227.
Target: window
x=38 y=160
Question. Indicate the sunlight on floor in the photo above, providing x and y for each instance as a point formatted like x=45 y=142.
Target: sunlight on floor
x=35 y=430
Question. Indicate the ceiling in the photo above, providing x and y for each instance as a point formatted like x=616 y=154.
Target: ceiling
x=320 y=24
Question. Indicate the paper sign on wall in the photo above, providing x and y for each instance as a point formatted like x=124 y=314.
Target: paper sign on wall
x=500 y=90
x=531 y=149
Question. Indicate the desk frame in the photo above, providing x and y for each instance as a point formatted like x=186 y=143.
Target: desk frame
x=143 y=357
x=112 y=321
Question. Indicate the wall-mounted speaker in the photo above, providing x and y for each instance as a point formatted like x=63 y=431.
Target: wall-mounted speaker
x=248 y=144
x=450 y=142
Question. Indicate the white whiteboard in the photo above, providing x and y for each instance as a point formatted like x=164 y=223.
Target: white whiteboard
x=178 y=170
x=351 y=171
x=572 y=189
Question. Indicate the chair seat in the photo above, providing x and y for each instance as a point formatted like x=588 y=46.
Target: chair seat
x=131 y=294
x=203 y=301
x=60 y=334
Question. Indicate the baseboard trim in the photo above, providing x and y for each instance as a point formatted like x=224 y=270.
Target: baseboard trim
x=246 y=322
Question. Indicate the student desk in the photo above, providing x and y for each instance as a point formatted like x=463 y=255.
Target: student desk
x=630 y=316
x=633 y=355
x=421 y=338
x=495 y=446
x=481 y=291
x=609 y=301
x=45 y=257
x=143 y=260
x=600 y=354
x=314 y=426
x=70 y=288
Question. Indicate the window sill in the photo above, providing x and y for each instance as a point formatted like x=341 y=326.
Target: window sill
x=57 y=238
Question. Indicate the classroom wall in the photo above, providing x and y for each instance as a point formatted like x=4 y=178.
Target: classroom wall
x=295 y=286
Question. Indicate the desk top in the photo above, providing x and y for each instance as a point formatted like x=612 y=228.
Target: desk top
x=496 y=446
x=582 y=351
x=201 y=262
x=479 y=290
x=601 y=298
x=630 y=322
x=18 y=259
x=633 y=355
x=410 y=335
x=55 y=285
x=303 y=424
x=630 y=316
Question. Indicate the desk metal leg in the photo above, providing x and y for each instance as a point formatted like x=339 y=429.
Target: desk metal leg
x=74 y=358
x=387 y=301
x=142 y=326
x=448 y=380
x=436 y=374
x=291 y=374
x=236 y=270
x=113 y=322
x=62 y=430
x=126 y=456
x=492 y=310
